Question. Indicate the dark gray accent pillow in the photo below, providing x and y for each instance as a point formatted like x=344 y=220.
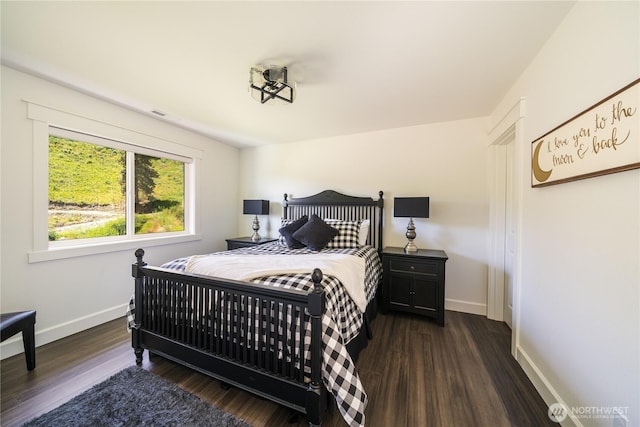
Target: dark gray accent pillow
x=315 y=234
x=287 y=232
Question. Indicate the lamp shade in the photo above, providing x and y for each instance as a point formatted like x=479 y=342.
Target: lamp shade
x=255 y=207
x=411 y=207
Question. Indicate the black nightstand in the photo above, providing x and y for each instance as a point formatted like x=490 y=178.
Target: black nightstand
x=243 y=242
x=414 y=282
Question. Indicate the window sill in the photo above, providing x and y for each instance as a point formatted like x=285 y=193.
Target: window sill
x=95 y=249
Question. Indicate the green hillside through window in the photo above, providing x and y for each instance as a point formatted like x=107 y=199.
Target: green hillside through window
x=87 y=191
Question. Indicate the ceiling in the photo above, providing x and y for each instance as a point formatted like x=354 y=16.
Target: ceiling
x=359 y=65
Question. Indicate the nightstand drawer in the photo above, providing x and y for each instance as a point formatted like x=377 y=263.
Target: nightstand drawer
x=411 y=266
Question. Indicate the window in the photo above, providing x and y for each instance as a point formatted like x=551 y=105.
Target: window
x=88 y=189
x=97 y=194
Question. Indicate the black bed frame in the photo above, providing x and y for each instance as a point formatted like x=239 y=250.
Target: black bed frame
x=192 y=319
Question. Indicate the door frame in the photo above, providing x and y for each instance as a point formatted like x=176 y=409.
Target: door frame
x=507 y=129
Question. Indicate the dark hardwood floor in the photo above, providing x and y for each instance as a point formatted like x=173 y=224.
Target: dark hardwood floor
x=415 y=374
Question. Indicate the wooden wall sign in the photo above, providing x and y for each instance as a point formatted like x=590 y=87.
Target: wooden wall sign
x=602 y=139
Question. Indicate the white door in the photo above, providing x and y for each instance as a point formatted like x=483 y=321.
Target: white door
x=507 y=173
x=509 y=232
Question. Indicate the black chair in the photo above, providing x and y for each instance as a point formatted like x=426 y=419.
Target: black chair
x=21 y=321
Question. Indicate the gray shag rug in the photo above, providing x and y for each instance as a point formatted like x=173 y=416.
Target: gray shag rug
x=136 y=397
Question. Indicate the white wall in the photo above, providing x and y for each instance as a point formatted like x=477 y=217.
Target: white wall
x=579 y=296
x=445 y=161
x=76 y=293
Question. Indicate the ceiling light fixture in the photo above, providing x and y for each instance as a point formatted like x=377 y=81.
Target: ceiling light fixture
x=271 y=82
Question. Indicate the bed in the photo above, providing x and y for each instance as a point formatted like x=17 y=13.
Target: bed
x=290 y=332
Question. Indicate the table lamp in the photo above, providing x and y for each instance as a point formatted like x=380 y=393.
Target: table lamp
x=255 y=207
x=411 y=207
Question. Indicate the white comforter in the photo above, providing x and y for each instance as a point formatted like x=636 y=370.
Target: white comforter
x=350 y=270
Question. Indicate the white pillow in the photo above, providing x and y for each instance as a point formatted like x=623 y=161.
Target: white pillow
x=364 y=232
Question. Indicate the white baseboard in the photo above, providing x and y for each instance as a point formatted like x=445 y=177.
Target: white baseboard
x=466 y=307
x=14 y=345
x=544 y=387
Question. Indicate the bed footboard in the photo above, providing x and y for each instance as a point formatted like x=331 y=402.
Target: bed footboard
x=264 y=340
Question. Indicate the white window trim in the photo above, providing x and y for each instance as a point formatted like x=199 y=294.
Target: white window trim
x=43 y=117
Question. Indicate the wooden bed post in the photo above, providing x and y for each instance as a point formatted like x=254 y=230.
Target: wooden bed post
x=137 y=273
x=285 y=206
x=316 y=310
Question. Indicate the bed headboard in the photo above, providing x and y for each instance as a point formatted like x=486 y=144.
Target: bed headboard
x=331 y=204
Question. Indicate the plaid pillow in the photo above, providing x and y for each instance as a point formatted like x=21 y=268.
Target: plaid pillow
x=347 y=237
x=281 y=240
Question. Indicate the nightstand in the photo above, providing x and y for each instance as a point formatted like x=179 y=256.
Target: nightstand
x=243 y=242
x=414 y=282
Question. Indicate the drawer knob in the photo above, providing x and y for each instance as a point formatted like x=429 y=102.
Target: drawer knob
x=412 y=267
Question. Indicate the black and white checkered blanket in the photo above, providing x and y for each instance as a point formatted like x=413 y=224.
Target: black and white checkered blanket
x=341 y=323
